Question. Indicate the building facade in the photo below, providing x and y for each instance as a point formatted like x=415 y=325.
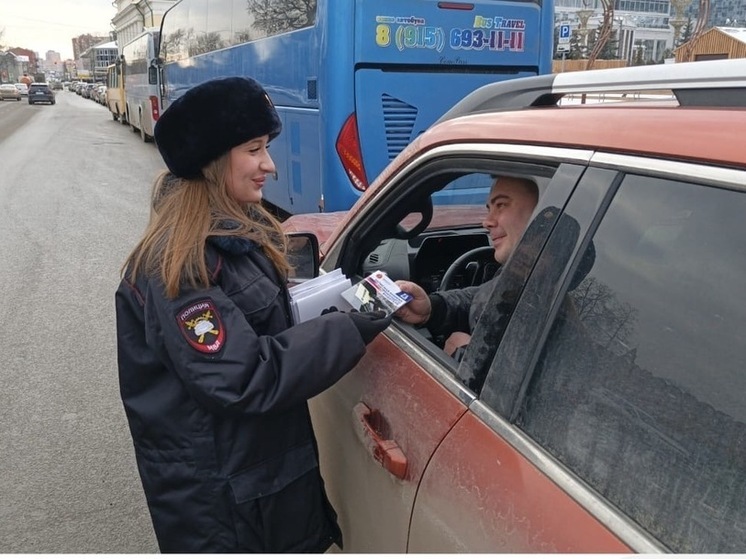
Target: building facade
x=641 y=33
x=134 y=16
x=715 y=44
x=12 y=66
x=96 y=59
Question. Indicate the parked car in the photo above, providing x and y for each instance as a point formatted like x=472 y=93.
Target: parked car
x=601 y=403
x=40 y=93
x=9 y=91
x=22 y=88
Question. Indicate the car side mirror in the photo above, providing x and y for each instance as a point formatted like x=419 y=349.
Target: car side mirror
x=303 y=256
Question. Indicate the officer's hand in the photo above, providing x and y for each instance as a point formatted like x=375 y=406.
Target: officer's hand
x=370 y=324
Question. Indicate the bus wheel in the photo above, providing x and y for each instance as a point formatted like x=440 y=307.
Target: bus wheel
x=145 y=137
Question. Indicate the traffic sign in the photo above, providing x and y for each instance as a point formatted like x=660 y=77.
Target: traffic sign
x=564 y=33
x=565 y=47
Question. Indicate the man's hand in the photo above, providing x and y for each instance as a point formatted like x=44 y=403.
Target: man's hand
x=417 y=311
x=455 y=341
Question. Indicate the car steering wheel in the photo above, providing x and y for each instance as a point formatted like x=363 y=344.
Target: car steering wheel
x=481 y=256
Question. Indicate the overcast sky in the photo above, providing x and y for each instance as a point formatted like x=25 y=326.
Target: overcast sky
x=42 y=25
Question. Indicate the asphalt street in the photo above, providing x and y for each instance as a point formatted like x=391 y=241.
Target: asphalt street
x=74 y=191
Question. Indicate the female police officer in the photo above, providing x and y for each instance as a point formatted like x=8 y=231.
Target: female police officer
x=213 y=376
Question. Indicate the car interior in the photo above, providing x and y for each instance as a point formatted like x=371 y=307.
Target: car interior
x=431 y=231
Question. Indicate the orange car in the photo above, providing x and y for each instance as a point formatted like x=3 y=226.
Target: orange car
x=601 y=404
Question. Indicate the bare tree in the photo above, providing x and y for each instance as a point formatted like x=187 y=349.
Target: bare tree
x=207 y=42
x=703 y=15
x=276 y=17
x=604 y=32
x=610 y=321
x=173 y=43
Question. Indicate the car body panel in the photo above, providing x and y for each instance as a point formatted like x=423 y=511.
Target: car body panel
x=415 y=411
x=644 y=130
x=481 y=495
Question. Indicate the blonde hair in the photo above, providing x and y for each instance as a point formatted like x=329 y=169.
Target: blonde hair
x=183 y=214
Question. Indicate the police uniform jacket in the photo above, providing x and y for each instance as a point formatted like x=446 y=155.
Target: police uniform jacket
x=214 y=385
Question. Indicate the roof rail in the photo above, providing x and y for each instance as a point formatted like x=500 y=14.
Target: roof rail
x=714 y=83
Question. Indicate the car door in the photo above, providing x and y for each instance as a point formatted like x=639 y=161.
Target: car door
x=611 y=419
x=483 y=491
x=379 y=426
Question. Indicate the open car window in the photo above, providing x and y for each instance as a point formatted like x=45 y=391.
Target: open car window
x=423 y=228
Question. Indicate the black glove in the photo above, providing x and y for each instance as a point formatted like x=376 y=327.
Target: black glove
x=370 y=324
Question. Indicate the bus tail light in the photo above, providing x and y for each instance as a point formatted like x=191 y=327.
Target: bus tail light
x=154 y=107
x=348 y=149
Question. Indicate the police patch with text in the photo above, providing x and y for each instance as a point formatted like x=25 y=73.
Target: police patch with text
x=201 y=325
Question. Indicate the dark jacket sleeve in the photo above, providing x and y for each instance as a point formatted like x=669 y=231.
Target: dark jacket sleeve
x=450 y=310
x=250 y=373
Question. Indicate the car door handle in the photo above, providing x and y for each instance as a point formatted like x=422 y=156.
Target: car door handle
x=386 y=452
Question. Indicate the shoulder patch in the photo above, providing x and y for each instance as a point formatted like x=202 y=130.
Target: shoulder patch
x=201 y=325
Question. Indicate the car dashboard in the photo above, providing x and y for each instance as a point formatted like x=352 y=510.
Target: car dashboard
x=425 y=258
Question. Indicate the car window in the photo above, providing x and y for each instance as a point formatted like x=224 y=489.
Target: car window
x=435 y=219
x=640 y=388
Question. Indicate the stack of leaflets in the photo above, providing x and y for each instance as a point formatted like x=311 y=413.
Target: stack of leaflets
x=309 y=298
x=377 y=292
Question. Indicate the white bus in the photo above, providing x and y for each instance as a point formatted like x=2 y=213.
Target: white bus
x=142 y=83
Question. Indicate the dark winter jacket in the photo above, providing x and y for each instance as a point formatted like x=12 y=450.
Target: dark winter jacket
x=458 y=310
x=214 y=385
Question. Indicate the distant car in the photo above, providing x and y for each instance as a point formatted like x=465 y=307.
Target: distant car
x=9 y=91
x=22 y=87
x=101 y=94
x=40 y=93
x=56 y=85
x=600 y=405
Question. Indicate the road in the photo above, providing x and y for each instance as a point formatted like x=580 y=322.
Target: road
x=74 y=191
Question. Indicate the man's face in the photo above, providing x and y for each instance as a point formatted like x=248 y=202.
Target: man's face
x=509 y=206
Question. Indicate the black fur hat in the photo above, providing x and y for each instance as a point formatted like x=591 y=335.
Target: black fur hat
x=209 y=120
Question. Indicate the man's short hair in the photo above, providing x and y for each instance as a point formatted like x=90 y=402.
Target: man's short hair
x=528 y=183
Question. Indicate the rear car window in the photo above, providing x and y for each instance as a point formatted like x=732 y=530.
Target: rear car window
x=639 y=389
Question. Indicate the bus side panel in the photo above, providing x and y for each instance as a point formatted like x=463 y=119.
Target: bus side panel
x=287 y=66
x=282 y=64
x=421 y=32
x=337 y=98
x=415 y=59
x=297 y=159
x=393 y=108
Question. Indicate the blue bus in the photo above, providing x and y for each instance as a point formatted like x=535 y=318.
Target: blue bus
x=354 y=82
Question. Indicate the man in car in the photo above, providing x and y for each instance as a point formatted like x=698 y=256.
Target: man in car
x=454 y=313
